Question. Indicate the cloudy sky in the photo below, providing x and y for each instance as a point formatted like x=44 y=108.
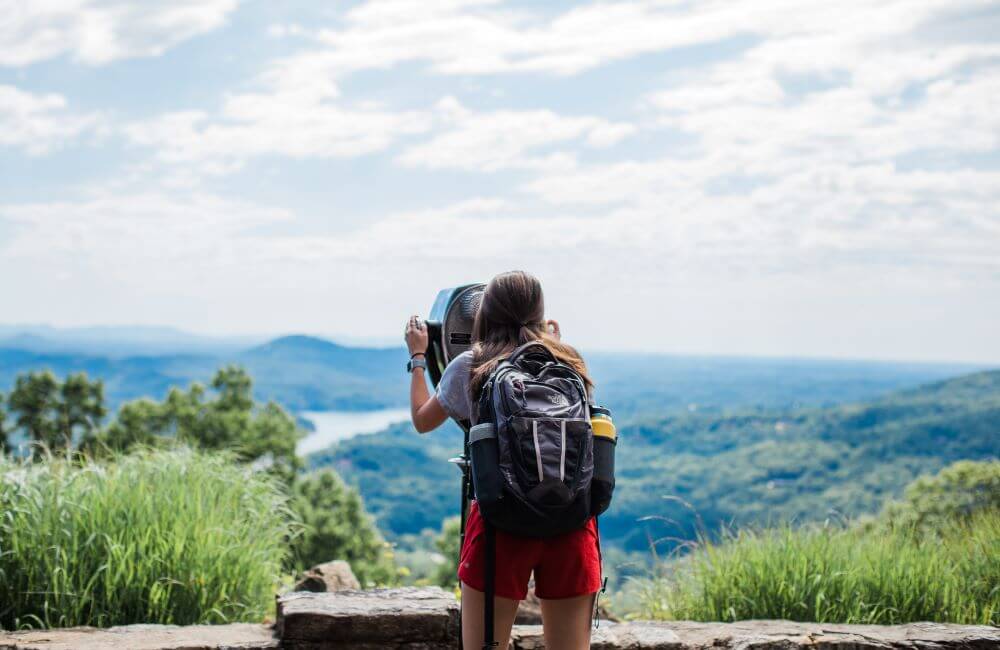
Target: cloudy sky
x=776 y=177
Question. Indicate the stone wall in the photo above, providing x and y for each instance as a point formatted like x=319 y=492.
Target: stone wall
x=427 y=619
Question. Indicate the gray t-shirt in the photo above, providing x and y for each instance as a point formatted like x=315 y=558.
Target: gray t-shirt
x=453 y=391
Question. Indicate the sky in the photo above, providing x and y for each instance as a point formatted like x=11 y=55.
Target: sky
x=777 y=177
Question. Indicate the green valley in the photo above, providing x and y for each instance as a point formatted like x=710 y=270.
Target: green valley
x=689 y=471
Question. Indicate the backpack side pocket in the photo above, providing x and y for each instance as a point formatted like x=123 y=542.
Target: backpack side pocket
x=485 y=454
x=602 y=486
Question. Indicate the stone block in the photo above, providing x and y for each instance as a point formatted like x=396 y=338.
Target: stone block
x=237 y=636
x=406 y=618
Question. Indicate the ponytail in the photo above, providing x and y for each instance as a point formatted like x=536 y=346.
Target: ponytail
x=511 y=314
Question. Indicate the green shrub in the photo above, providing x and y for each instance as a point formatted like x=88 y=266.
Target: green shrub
x=155 y=537
x=448 y=544
x=933 y=503
x=839 y=574
x=337 y=527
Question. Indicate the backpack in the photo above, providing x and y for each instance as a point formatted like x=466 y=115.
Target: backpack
x=532 y=452
x=532 y=446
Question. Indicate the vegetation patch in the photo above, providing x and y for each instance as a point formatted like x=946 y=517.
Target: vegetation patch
x=172 y=537
x=901 y=568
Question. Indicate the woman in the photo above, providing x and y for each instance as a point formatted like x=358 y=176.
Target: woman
x=567 y=568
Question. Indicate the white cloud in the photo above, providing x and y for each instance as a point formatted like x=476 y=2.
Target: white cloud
x=300 y=114
x=840 y=140
x=292 y=125
x=300 y=110
x=124 y=233
x=137 y=257
x=96 y=32
x=725 y=279
x=490 y=141
x=475 y=37
x=39 y=123
x=297 y=111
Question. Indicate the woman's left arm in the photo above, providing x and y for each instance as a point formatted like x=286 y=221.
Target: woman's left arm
x=425 y=410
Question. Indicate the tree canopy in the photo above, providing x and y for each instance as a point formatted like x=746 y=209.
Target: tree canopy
x=56 y=413
x=956 y=493
x=224 y=417
x=337 y=527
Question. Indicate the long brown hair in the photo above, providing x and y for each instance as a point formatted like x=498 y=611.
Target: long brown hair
x=513 y=313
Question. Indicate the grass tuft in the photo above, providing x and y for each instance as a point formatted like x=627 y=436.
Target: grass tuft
x=175 y=537
x=835 y=575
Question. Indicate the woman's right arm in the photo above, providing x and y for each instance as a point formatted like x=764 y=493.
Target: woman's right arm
x=426 y=412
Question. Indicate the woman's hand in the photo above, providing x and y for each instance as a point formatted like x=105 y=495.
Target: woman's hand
x=552 y=327
x=416 y=336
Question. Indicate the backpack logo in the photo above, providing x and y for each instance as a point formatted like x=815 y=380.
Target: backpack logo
x=558 y=399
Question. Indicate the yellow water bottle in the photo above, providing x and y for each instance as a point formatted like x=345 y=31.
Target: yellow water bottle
x=605 y=441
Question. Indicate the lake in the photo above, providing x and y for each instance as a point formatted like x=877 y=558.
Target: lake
x=333 y=426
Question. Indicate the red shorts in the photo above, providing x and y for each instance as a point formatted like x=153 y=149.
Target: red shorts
x=564 y=566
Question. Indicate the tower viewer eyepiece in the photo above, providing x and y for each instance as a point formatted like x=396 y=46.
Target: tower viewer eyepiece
x=449 y=326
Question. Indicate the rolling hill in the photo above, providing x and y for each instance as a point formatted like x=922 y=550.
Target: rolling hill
x=300 y=372
x=692 y=470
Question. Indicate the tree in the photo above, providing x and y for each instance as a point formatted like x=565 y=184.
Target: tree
x=934 y=503
x=4 y=443
x=338 y=528
x=447 y=544
x=79 y=408
x=235 y=389
x=140 y=423
x=226 y=418
x=55 y=413
x=230 y=421
x=35 y=401
x=272 y=437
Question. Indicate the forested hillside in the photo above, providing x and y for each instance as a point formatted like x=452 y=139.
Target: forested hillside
x=755 y=468
x=800 y=465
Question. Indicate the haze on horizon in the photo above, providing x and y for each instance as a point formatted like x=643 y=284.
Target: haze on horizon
x=781 y=179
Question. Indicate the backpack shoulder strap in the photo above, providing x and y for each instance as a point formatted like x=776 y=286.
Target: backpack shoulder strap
x=481 y=409
x=489 y=591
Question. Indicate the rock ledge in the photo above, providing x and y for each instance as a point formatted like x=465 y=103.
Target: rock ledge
x=776 y=635
x=238 y=636
x=428 y=619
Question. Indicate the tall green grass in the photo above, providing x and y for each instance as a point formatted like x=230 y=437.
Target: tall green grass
x=838 y=574
x=155 y=537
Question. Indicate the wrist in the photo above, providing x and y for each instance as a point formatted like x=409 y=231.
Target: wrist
x=417 y=354
x=415 y=363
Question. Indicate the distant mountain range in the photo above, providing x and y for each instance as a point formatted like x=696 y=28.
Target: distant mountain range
x=300 y=372
x=309 y=373
x=118 y=340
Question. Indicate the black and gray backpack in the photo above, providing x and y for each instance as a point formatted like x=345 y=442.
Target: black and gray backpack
x=532 y=447
x=533 y=454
